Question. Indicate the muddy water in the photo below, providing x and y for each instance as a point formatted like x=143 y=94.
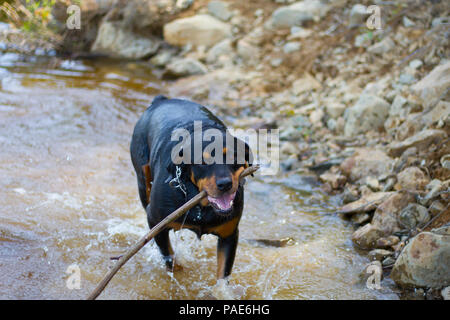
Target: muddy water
x=68 y=197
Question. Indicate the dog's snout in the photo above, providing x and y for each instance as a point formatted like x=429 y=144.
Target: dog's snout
x=224 y=184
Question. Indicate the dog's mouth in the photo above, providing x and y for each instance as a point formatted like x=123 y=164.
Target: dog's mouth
x=222 y=204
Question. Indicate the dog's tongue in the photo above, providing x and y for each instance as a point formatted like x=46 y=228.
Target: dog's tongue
x=224 y=202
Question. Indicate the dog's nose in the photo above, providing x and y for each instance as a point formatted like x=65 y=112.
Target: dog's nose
x=224 y=184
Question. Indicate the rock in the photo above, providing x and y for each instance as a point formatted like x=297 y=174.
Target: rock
x=445 y=293
x=197 y=30
x=291 y=47
x=373 y=183
x=335 y=109
x=369 y=113
x=298 y=13
x=184 y=67
x=397 y=107
x=248 y=52
x=436 y=207
x=432 y=86
x=305 y=83
x=421 y=140
x=407 y=23
x=289 y=148
x=411 y=178
x=335 y=180
x=366 y=203
x=415 y=64
x=223 y=48
x=163 y=57
x=382 y=47
x=358 y=15
x=360 y=218
x=433 y=188
x=299 y=33
x=316 y=116
x=366 y=162
x=414 y=215
x=386 y=215
x=389 y=261
x=407 y=78
x=362 y=40
x=425 y=261
x=115 y=41
x=366 y=236
x=220 y=10
x=439 y=112
x=387 y=242
x=445 y=161
x=379 y=254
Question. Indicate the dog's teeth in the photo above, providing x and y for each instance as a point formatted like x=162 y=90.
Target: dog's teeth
x=231 y=203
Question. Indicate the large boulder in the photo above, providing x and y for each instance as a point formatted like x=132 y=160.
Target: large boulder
x=114 y=40
x=298 y=13
x=197 y=30
x=369 y=113
x=433 y=86
x=425 y=261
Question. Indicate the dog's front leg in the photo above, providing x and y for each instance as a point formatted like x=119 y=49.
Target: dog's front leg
x=226 y=251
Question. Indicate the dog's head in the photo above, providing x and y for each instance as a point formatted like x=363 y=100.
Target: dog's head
x=216 y=171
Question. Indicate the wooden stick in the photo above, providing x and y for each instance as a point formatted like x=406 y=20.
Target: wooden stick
x=153 y=232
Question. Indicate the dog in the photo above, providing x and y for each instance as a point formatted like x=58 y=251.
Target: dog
x=165 y=185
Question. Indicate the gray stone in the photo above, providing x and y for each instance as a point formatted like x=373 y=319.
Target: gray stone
x=425 y=261
x=298 y=13
x=223 y=48
x=220 y=10
x=115 y=41
x=432 y=86
x=197 y=30
x=408 y=23
x=369 y=113
x=414 y=215
x=184 y=67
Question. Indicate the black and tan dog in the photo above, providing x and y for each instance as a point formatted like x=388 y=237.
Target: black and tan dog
x=165 y=186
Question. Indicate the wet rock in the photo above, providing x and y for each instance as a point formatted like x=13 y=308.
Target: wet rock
x=366 y=162
x=198 y=30
x=425 y=261
x=420 y=140
x=411 y=178
x=432 y=86
x=304 y=84
x=414 y=215
x=369 y=113
x=115 y=41
x=382 y=47
x=220 y=10
x=358 y=15
x=298 y=13
x=379 y=254
x=184 y=67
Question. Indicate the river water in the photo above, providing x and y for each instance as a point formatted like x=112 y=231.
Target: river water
x=69 y=201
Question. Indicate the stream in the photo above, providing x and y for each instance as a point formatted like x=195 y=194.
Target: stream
x=69 y=200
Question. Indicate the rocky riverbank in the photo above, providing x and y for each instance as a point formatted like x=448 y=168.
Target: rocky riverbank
x=365 y=110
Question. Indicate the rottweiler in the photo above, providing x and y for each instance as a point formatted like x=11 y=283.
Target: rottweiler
x=165 y=185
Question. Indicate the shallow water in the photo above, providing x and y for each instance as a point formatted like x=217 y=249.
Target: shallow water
x=69 y=196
